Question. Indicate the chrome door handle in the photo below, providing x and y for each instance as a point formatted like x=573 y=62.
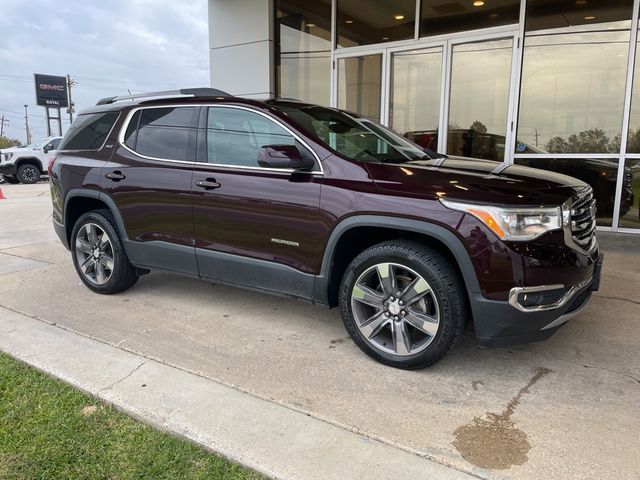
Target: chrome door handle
x=208 y=184
x=116 y=176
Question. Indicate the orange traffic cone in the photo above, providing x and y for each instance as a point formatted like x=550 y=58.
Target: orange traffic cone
x=2 y=197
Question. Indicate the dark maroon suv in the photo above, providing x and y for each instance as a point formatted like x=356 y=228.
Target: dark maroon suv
x=326 y=206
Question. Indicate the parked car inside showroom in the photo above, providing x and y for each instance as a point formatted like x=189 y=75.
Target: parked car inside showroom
x=27 y=164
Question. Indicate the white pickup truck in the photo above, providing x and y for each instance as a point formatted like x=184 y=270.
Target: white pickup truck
x=27 y=164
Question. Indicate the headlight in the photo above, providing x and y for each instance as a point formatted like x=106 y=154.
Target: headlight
x=516 y=224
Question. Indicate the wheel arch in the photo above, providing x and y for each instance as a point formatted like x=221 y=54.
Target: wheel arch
x=354 y=234
x=82 y=200
x=30 y=161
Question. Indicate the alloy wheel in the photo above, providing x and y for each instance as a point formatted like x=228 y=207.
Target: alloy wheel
x=30 y=174
x=395 y=309
x=94 y=254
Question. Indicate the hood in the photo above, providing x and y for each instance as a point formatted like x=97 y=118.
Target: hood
x=13 y=149
x=476 y=181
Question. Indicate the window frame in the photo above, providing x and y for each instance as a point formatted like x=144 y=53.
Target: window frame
x=317 y=170
x=192 y=133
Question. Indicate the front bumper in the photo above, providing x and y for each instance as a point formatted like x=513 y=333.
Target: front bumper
x=8 y=169
x=503 y=323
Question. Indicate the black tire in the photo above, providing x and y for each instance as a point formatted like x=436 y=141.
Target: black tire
x=123 y=275
x=446 y=288
x=28 y=173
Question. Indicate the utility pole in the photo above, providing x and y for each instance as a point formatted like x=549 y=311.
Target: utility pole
x=536 y=135
x=70 y=108
x=3 y=121
x=26 y=124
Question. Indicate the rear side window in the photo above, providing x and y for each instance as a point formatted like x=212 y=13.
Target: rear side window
x=89 y=131
x=161 y=132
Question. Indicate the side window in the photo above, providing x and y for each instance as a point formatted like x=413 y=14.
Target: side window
x=161 y=133
x=89 y=131
x=55 y=142
x=234 y=136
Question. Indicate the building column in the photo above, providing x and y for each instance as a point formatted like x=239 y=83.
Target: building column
x=241 y=37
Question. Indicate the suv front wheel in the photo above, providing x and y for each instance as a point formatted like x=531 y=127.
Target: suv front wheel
x=403 y=304
x=28 y=173
x=99 y=256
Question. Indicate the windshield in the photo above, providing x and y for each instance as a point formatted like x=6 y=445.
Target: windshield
x=354 y=137
x=40 y=143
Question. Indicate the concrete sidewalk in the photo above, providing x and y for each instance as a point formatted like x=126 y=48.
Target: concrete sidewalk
x=270 y=438
x=567 y=408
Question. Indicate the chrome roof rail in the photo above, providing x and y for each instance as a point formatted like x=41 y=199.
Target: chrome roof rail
x=196 y=92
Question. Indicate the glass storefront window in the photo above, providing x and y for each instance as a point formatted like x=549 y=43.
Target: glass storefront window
x=416 y=77
x=360 y=22
x=630 y=200
x=360 y=85
x=479 y=99
x=633 y=138
x=573 y=76
x=600 y=173
x=443 y=16
x=304 y=41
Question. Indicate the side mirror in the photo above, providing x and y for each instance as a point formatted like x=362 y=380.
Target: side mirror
x=283 y=156
x=47 y=148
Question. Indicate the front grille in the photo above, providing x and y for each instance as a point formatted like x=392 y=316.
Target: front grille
x=583 y=219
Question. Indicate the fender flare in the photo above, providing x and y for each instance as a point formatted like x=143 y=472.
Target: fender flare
x=106 y=199
x=437 y=232
x=32 y=160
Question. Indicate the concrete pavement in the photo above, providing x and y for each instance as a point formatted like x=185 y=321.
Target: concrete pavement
x=565 y=408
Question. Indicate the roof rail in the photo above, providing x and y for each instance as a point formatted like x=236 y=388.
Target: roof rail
x=196 y=92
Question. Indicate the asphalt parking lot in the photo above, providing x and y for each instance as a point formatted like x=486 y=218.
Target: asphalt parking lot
x=565 y=408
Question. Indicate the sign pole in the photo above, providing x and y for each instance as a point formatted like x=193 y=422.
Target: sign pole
x=59 y=123
x=46 y=109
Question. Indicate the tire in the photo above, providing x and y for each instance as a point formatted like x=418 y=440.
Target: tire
x=423 y=324
x=28 y=173
x=103 y=266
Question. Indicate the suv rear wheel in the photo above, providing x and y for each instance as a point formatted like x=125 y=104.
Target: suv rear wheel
x=28 y=173
x=99 y=256
x=403 y=304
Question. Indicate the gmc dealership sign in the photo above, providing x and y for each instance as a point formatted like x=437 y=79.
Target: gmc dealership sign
x=51 y=91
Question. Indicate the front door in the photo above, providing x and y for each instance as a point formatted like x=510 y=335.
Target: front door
x=254 y=226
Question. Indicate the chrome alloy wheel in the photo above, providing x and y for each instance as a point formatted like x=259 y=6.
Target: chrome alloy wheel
x=31 y=174
x=395 y=309
x=94 y=254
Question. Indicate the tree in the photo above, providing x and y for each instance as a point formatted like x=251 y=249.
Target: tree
x=593 y=140
x=8 y=142
x=478 y=127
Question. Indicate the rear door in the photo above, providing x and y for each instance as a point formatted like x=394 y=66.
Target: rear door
x=254 y=226
x=149 y=179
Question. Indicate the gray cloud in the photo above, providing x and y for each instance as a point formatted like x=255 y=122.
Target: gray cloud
x=106 y=47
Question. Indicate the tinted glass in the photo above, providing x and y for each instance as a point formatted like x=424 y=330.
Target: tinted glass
x=360 y=85
x=415 y=95
x=352 y=136
x=164 y=132
x=304 y=46
x=89 y=132
x=601 y=174
x=478 y=107
x=444 y=16
x=360 y=22
x=573 y=76
x=630 y=200
x=55 y=143
x=234 y=136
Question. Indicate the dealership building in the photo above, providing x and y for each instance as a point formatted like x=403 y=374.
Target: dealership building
x=551 y=84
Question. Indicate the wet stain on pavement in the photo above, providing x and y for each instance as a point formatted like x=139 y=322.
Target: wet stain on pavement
x=475 y=383
x=493 y=441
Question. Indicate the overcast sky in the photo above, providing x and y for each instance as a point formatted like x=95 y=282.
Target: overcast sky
x=107 y=47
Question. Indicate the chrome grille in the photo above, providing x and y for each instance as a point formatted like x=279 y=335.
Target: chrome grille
x=583 y=219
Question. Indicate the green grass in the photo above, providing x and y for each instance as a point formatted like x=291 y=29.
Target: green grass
x=47 y=432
